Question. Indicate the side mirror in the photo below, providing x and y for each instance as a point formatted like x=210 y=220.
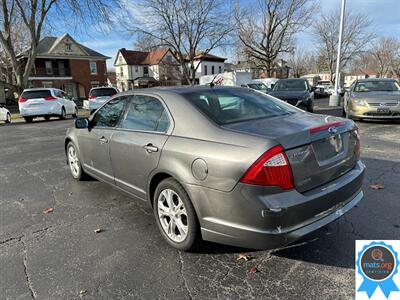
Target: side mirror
x=81 y=123
x=272 y=86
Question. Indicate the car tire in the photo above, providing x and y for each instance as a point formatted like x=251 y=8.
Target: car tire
x=74 y=162
x=184 y=215
x=28 y=119
x=302 y=106
x=75 y=114
x=47 y=118
x=8 y=118
x=63 y=114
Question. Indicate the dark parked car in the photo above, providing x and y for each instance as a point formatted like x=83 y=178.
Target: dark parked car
x=229 y=165
x=296 y=91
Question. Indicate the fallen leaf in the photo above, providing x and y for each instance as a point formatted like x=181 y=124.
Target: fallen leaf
x=253 y=270
x=243 y=256
x=82 y=292
x=377 y=186
x=98 y=230
x=48 y=210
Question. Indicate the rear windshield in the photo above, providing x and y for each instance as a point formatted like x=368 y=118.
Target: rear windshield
x=377 y=86
x=36 y=94
x=103 y=92
x=290 y=85
x=236 y=105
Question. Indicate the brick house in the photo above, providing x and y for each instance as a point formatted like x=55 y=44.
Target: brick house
x=135 y=69
x=68 y=65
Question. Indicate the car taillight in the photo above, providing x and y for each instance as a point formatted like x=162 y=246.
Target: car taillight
x=272 y=169
x=50 y=98
x=358 y=144
x=92 y=97
x=22 y=99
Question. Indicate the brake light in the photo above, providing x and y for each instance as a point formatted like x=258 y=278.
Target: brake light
x=271 y=169
x=22 y=99
x=92 y=97
x=50 y=98
x=358 y=144
x=325 y=126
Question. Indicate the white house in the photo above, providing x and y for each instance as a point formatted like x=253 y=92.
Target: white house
x=208 y=64
x=145 y=69
x=358 y=74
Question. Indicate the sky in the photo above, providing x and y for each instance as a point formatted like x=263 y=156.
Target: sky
x=384 y=14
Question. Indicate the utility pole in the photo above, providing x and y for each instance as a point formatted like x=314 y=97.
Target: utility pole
x=334 y=100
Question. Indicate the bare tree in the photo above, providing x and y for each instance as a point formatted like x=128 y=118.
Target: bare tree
x=301 y=63
x=356 y=38
x=383 y=54
x=267 y=31
x=32 y=14
x=186 y=26
x=146 y=43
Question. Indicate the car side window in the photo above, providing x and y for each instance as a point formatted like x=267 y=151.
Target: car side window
x=109 y=114
x=146 y=113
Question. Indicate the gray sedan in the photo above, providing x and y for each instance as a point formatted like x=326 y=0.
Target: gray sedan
x=223 y=164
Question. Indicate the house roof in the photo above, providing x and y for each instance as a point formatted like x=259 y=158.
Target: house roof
x=209 y=57
x=48 y=43
x=133 y=57
x=362 y=71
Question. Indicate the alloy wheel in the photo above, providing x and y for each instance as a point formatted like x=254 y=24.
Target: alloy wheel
x=172 y=215
x=73 y=161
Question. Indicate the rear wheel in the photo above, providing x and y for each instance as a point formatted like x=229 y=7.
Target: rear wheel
x=63 y=114
x=8 y=118
x=175 y=215
x=28 y=119
x=74 y=162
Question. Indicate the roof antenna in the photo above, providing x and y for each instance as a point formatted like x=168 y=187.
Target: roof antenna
x=212 y=84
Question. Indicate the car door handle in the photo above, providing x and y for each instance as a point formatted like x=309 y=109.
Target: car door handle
x=103 y=140
x=151 y=148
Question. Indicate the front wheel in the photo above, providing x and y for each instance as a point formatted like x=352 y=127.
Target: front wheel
x=8 y=118
x=74 y=163
x=175 y=215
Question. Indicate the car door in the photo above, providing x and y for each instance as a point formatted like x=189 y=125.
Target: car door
x=94 y=143
x=136 y=144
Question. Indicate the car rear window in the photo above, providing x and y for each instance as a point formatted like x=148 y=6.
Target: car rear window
x=103 y=92
x=236 y=105
x=36 y=94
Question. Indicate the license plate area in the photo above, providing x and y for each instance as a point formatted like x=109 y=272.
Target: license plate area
x=327 y=148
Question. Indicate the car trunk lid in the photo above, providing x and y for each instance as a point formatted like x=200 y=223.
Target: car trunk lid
x=319 y=148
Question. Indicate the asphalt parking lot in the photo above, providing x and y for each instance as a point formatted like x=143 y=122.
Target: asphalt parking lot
x=58 y=255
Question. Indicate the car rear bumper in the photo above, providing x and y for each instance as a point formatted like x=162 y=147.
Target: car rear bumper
x=248 y=217
x=92 y=104
x=40 y=110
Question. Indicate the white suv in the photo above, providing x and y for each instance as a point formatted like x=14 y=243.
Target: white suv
x=45 y=102
x=97 y=97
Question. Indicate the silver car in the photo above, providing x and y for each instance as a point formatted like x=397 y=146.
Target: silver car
x=223 y=164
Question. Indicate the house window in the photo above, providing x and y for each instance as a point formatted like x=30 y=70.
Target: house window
x=136 y=69
x=169 y=58
x=145 y=71
x=205 y=70
x=219 y=69
x=93 y=68
x=95 y=84
x=47 y=84
x=68 y=47
x=212 y=70
x=49 y=67
x=120 y=59
x=121 y=73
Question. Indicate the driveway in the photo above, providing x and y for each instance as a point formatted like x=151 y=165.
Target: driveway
x=49 y=248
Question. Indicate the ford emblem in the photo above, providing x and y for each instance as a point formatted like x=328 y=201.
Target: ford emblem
x=332 y=130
